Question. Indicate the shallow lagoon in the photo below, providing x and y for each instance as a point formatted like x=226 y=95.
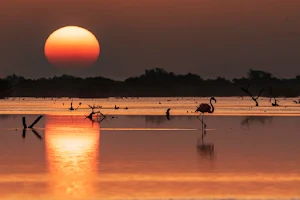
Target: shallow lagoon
x=136 y=156
x=232 y=106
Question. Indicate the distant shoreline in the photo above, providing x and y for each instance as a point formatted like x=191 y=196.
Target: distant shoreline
x=154 y=83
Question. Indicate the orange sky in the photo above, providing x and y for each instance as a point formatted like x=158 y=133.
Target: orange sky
x=138 y=35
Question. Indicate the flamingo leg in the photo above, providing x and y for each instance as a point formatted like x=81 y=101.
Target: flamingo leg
x=202 y=121
x=199 y=118
x=203 y=126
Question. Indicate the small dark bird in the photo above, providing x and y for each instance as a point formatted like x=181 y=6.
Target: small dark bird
x=116 y=107
x=168 y=113
x=275 y=103
x=71 y=108
x=297 y=102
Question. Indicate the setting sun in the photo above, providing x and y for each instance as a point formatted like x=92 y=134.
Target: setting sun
x=72 y=47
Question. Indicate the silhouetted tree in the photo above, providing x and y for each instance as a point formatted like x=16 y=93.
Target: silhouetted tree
x=259 y=75
x=154 y=82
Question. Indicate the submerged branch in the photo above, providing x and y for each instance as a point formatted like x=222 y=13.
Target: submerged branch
x=35 y=121
x=24 y=122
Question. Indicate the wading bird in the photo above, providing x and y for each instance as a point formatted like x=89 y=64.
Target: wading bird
x=205 y=108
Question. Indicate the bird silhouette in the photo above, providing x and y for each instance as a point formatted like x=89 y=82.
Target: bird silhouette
x=297 y=102
x=205 y=108
x=168 y=113
x=71 y=108
x=275 y=102
x=116 y=107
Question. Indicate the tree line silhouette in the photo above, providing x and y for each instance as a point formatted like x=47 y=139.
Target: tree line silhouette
x=153 y=83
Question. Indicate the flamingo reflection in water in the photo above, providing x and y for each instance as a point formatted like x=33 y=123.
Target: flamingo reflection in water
x=205 y=149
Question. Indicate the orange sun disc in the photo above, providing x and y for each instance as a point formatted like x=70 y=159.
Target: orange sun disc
x=72 y=47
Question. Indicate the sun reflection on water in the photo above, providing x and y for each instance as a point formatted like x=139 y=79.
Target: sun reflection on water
x=72 y=151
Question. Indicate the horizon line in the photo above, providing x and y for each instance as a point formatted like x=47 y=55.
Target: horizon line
x=137 y=76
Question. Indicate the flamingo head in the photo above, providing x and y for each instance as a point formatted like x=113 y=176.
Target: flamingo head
x=213 y=98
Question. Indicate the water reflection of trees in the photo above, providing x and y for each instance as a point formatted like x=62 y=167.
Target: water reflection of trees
x=246 y=121
x=155 y=119
x=160 y=119
x=5 y=116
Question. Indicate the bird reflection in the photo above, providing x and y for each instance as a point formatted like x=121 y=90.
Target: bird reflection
x=205 y=149
x=256 y=119
x=275 y=102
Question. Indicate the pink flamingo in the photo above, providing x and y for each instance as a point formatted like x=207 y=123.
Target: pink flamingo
x=206 y=108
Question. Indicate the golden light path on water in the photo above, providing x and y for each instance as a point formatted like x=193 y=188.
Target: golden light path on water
x=72 y=152
x=225 y=106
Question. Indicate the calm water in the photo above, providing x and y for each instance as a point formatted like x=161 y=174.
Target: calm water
x=148 y=157
x=149 y=106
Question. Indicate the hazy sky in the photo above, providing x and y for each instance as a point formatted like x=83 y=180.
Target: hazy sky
x=208 y=37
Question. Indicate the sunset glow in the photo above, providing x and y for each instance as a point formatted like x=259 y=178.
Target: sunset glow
x=72 y=47
x=71 y=156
